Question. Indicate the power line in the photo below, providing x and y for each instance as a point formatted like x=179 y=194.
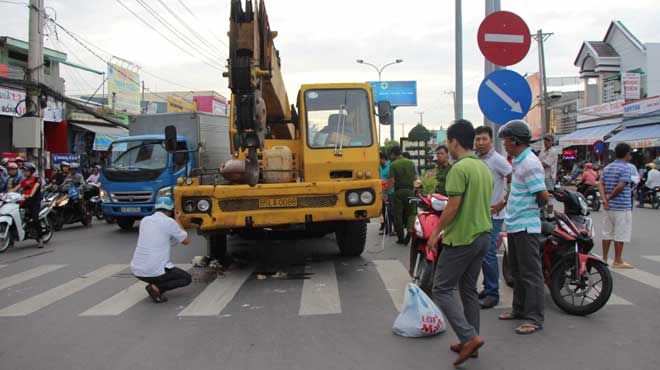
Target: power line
x=175 y=32
x=198 y=36
x=210 y=31
x=13 y=2
x=163 y=36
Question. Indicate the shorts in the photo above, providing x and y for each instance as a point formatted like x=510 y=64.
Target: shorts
x=617 y=225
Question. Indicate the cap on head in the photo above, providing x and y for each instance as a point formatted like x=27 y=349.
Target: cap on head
x=64 y=164
x=12 y=166
x=19 y=159
x=517 y=130
x=651 y=164
x=30 y=167
x=549 y=137
x=164 y=204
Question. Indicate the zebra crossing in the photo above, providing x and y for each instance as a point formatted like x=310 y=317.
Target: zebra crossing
x=319 y=291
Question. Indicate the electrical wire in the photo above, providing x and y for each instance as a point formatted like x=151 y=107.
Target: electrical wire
x=165 y=37
x=210 y=31
x=176 y=32
x=14 y=2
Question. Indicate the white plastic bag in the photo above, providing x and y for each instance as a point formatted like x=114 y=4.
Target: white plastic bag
x=419 y=316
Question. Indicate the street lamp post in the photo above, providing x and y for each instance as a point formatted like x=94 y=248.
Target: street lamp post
x=380 y=73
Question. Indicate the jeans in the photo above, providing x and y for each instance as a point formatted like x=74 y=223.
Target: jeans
x=172 y=278
x=527 y=271
x=458 y=268
x=490 y=266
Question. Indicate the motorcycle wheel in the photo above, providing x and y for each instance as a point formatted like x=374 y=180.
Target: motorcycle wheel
x=655 y=202
x=571 y=299
x=506 y=270
x=49 y=231
x=86 y=218
x=595 y=204
x=55 y=221
x=5 y=243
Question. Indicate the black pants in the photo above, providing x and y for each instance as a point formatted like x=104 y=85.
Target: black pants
x=32 y=207
x=527 y=271
x=172 y=278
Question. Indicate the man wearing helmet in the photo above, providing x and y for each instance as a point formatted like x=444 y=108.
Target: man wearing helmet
x=62 y=173
x=3 y=175
x=74 y=177
x=29 y=187
x=151 y=259
x=523 y=224
x=14 y=176
x=19 y=161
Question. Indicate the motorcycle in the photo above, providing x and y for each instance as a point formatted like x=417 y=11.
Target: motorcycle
x=592 y=195
x=92 y=195
x=580 y=282
x=651 y=196
x=69 y=207
x=425 y=222
x=13 y=221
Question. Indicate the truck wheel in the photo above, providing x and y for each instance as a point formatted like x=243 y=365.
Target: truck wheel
x=125 y=223
x=217 y=246
x=351 y=237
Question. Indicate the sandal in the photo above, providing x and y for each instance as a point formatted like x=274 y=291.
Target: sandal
x=528 y=328
x=155 y=296
x=510 y=316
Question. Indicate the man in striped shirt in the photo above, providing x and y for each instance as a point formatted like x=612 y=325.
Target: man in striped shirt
x=523 y=224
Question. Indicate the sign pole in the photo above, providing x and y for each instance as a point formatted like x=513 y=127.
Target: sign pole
x=458 y=91
x=491 y=7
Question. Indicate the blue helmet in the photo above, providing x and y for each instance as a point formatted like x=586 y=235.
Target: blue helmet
x=165 y=204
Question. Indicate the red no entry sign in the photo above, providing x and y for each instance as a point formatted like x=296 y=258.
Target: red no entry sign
x=503 y=38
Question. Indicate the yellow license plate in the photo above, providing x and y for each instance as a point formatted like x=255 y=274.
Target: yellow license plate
x=278 y=203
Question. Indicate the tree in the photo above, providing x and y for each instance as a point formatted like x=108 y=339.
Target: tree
x=419 y=133
x=387 y=147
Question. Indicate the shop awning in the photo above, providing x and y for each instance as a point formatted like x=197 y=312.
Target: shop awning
x=104 y=135
x=638 y=136
x=587 y=136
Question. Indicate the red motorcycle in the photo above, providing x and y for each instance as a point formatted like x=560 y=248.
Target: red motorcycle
x=422 y=264
x=580 y=282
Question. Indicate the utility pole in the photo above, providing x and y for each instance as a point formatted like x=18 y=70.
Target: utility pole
x=421 y=117
x=458 y=90
x=540 y=38
x=492 y=6
x=143 y=108
x=35 y=71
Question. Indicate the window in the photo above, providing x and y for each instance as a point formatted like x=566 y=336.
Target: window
x=338 y=118
x=180 y=157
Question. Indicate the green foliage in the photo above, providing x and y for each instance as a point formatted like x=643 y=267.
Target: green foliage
x=429 y=183
x=419 y=133
x=387 y=147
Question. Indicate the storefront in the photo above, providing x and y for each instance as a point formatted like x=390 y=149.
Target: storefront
x=90 y=138
x=641 y=130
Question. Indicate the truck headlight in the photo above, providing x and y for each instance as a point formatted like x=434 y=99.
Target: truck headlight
x=360 y=197
x=352 y=198
x=366 y=197
x=203 y=205
x=104 y=196
x=164 y=192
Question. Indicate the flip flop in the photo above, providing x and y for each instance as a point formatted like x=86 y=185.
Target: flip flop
x=155 y=296
x=521 y=329
x=509 y=316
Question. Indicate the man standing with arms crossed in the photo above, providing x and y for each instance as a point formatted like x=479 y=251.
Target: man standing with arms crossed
x=616 y=194
x=467 y=226
x=402 y=176
x=523 y=225
x=501 y=171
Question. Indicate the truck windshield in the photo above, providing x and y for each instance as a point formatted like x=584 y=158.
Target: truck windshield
x=138 y=155
x=338 y=118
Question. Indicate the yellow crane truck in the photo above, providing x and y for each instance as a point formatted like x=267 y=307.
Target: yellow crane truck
x=311 y=168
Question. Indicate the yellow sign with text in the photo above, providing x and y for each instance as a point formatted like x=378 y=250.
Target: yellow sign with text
x=178 y=104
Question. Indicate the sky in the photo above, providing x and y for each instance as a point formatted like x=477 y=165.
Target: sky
x=320 y=41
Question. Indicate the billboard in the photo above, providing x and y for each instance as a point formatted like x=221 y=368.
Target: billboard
x=398 y=93
x=632 y=85
x=178 y=104
x=125 y=84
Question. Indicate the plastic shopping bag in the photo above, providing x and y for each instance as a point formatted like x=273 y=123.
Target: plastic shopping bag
x=419 y=316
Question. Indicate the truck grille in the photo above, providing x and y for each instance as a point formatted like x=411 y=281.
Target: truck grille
x=252 y=204
x=132 y=197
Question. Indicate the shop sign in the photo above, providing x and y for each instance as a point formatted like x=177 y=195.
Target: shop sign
x=102 y=141
x=54 y=111
x=125 y=84
x=10 y=99
x=65 y=157
x=632 y=85
x=219 y=108
x=177 y=104
x=600 y=111
x=641 y=107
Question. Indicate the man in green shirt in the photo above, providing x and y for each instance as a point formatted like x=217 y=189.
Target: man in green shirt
x=467 y=225
x=442 y=156
x=402 y=176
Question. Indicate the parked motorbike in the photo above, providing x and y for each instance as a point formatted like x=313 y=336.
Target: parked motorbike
x=13 y=222
x=425 y=222
x=580 y=282
x=592 y=195
x=651 y=196
x=69 y=207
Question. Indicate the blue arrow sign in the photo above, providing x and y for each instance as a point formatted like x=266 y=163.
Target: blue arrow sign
x=504 y=95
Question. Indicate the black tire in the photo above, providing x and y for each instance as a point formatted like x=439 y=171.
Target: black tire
x=216 y=246
x=125 y=223
x=595 y=204
x=48 y=234
x=559 y=277
x=6 y=243
x=351 y=238
x=655 y=202
x=506 y=270
x=55 y=221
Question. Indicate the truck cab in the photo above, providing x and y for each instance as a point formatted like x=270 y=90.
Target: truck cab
x=332 y=184
x=138 y=171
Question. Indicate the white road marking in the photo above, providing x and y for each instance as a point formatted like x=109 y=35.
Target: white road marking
x=395 y=277
x=320 y=295
x=503 y=37
x=217 y=295
x=652 y=258
x=27 y=275
x=641 y=276
x=1 y=266
x=51 y=296
x=122 y=301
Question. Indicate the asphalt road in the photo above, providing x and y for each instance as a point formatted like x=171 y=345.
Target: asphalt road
x=74 y=305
